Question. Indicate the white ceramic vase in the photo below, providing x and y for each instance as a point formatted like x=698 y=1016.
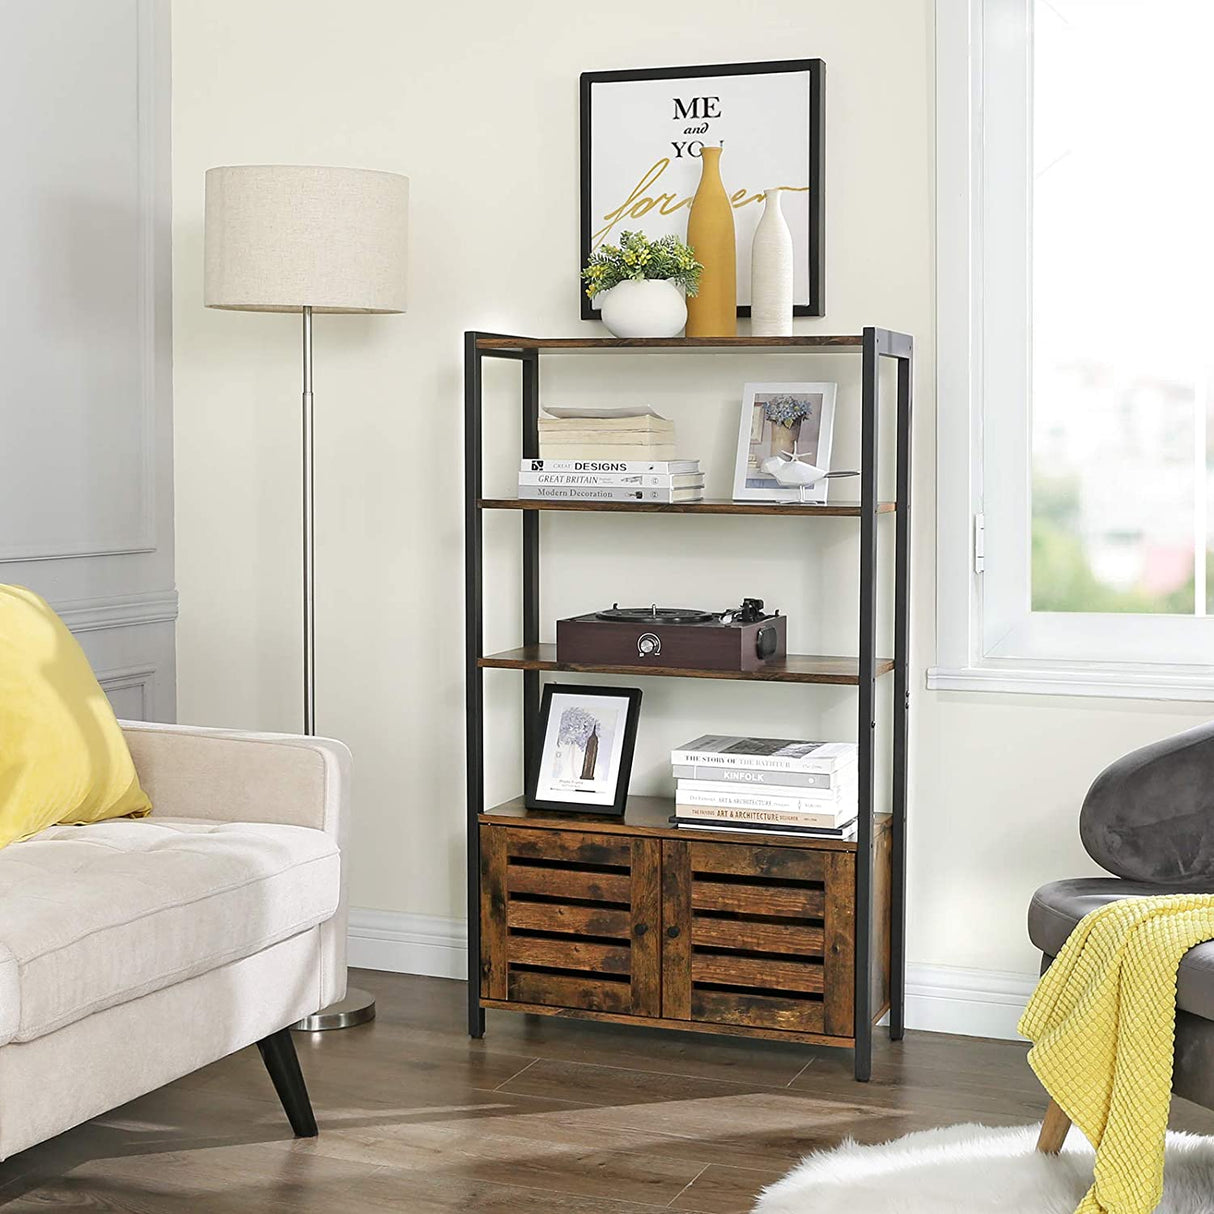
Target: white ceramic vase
x=771 y=272
x=654 y=307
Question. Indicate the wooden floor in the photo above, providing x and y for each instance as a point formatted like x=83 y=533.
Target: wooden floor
x=541 y=1117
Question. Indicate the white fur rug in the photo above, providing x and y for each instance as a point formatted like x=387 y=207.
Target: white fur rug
x=972 y=1169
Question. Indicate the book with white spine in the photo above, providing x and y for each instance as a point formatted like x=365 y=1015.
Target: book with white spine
x=665 y=467
x=637 y=480
x=765 y=754
x=707 y=792
x=590 y=493
x=825 y=819
x=748 y=777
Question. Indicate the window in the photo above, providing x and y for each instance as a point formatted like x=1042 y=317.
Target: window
x=1076 y=346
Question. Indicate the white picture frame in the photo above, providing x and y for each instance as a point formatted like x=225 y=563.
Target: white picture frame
x=759 y=439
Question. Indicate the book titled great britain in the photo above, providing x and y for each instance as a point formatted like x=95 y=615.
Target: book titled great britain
x=770 y=754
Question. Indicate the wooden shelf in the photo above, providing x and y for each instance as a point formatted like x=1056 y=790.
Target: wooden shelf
x=800 y=341
x=795 y=668
x=650 y=817
x=708 y=506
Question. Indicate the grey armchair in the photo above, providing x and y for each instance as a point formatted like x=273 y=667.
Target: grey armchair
x=1149 y=820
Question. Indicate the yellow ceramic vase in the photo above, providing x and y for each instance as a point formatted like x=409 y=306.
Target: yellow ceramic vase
x=714 y=311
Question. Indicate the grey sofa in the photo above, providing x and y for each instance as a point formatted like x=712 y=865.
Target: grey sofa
x=135 y=951
x=1149 y=820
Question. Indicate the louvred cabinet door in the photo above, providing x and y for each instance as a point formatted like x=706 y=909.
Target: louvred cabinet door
x=758 y=936
x=571 y=919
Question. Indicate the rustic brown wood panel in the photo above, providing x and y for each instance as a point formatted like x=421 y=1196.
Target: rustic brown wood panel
x=571 y=846
x=882 y=907
x=569 y=954
x=803 y=938
x=841 y=509
x=807 y=341
x=676 y=930
x=751 y=861
x=564 y=990
x=647 y=816
x=572 y=920
x=839 y=929
x=732 y=969
x=646 y=967
x=790 y=900
x=493 y=912
x=759 y=1011
x=567 y=883
x=793 y=668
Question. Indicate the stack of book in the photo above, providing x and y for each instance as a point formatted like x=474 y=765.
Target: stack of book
x=766 y=786
x=629 y=480
x=607 y=434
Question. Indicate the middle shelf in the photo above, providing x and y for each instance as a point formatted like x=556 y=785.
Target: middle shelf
x=793 y=668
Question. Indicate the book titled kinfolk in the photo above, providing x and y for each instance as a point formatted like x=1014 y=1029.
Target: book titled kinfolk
x=749 y=777
x=610 y=480
x=619 y=493
x=765 y=754
x=665 y=467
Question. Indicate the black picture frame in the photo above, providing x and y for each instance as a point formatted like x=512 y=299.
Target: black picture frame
x=816 y=242
x=533 y=800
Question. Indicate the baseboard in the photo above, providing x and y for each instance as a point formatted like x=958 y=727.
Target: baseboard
x=408 y=944
x=939 y=999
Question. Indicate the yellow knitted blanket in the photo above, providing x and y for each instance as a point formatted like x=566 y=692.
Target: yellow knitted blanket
x=1103 y=1024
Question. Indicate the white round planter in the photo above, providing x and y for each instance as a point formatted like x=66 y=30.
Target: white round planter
x=653 y=308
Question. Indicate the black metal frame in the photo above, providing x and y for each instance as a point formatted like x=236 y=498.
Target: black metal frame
x=874 y=345
x=816 y=69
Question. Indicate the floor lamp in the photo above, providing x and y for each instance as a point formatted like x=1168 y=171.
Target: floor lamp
x=298 y=238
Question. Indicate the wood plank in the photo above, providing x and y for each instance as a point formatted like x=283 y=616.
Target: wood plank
x=573 y=920
x=806 y=341
x=650 y=817
x=839 y=930
x=676 y=930
x=567 y=883
x=793 y=668
x=733 y=969
x=562 y=990
x=760 y=1011
x=493 y=912
x=802 y=938
x=710 y=505
x=571 y=846
x=777 y=900
x=646 y=959
x=749 y=860
x=569 y=954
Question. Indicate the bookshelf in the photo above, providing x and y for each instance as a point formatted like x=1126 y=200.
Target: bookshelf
x=631 y=920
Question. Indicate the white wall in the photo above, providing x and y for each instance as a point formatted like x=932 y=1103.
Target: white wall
x=477 y=102
x=86 y=475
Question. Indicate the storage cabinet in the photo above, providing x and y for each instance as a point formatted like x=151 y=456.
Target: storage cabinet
x=638 y=922
x=635 y=920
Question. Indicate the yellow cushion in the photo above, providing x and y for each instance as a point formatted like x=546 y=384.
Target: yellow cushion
x=63 y=758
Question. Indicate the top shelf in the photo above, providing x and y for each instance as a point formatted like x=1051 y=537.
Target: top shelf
x=800 y=341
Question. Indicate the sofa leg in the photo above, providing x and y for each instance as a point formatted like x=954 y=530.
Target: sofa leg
x=1053 y=1130
x=278 y=1053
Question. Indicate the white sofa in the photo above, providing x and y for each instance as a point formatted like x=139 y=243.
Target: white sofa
x=133 y=952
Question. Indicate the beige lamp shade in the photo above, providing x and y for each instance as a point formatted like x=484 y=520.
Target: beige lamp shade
x=282 y=237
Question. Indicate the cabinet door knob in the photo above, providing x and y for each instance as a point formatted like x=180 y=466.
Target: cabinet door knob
x=673 y=932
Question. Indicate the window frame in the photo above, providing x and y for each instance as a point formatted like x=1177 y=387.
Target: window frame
x=987 y=638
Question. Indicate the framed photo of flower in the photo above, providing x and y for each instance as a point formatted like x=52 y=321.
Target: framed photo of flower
x=586 y=739
x=778 y=421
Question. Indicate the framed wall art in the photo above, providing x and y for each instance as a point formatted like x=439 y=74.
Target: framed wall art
x=641 y=135
x=586 y=739
x=783 y=419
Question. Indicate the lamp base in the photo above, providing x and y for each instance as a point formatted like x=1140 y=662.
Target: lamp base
x=358 y=1007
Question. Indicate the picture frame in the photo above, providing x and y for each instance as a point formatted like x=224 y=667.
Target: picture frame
x=760 y=438
x=641 y=130
x=585 y=743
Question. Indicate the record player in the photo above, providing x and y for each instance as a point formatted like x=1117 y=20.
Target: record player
x=675 y=638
